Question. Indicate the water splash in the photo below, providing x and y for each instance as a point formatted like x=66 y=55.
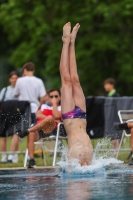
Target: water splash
x=98 y=165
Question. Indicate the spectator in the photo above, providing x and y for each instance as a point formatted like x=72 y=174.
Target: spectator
x=6 y=94
x=109 y=86
x=30 y=88
x=126 y=126
x=51 y=108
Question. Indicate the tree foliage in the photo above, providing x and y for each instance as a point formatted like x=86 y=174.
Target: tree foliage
x=104 y=46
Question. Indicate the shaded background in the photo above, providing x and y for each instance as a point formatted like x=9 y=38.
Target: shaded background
x=31 y=30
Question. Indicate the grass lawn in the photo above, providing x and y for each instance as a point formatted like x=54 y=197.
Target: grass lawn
x=97 y=144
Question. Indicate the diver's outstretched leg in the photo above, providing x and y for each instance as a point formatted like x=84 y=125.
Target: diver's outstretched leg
x=67 y=102
x=85 y=150
x=78 y=94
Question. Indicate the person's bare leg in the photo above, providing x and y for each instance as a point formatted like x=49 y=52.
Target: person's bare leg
x=78 y=94
x=3 y=149
x=85 y=151
x=39 y=149
x=116 y=143
x=115 y=146
x=14 y=143
x=130 y=125
x=67 y=102
x=3 y=144
x=131 y=140
x=47 y=125
x=14 y=147
x=32 y=137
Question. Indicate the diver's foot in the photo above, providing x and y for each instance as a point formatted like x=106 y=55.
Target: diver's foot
x=119 y=127
x=131 y=162
x=66 y=33
x=74 y=32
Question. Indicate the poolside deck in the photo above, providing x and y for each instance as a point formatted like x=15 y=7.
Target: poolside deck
x=38 y=167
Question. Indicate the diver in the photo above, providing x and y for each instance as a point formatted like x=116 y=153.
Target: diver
x=73 y=104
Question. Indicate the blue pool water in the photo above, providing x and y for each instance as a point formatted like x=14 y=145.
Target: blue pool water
x=106 y=179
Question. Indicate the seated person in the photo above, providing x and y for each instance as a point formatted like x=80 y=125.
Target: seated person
x=52 y=109
x=126 y=126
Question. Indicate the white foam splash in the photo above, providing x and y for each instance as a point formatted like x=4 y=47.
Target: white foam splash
x=97 y=166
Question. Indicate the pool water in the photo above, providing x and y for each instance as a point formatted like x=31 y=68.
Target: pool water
x=106 y=182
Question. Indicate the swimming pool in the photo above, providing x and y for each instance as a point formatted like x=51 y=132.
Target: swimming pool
x=111 y=182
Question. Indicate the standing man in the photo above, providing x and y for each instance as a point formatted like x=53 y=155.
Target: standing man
x=109 y=86
x=30 y=88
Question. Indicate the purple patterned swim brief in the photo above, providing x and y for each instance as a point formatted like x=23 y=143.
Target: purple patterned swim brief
x=75 y=113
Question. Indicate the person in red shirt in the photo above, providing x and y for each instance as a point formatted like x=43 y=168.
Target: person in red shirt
x=51 y=108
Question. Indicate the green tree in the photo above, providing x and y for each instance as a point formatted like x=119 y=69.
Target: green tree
x=104 y=45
